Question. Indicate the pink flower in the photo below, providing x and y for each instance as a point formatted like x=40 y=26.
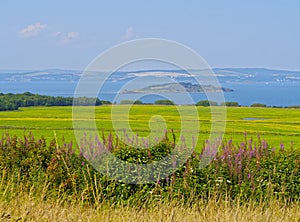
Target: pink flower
x=281 y=146
x=249 y=176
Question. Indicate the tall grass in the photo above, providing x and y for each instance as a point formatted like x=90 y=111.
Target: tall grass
x=28 y=208
x=251 y=180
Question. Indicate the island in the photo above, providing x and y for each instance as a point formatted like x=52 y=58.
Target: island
x=178 y=88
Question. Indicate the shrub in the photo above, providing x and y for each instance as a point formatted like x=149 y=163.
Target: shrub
x=206 y=103
x=128 y=102
x=258 y=105
x=294 y=107
x=164 y=102
x=230 y=104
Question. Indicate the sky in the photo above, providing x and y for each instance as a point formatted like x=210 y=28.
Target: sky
x=70 y=34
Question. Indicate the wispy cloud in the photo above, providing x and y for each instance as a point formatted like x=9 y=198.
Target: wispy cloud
x=32 y=30
x=129 y=34
x=35 y=29
x=66 y=37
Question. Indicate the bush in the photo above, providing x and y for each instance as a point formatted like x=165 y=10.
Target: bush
x=258 y=105
x=164 y=102
x=105 y=102
x=230 y=104
x=294 y=107
x=138 y=102
x=128 y=102
x=206 y=103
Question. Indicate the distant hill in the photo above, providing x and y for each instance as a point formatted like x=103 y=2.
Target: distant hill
x=224 y=75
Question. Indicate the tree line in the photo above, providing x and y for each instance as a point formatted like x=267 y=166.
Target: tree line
x=12 y=101
x=204 y=103
x=170 y=102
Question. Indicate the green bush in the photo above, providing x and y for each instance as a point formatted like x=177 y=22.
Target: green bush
x=230 y=104
x=164 y=102
x=128 y=102
x=206 y=103
x=258 y=105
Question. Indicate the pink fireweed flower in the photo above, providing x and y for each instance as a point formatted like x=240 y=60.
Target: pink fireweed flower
x=249 y=176
x=158 y=182
x=242 y=145
x=251 y=153
x=281 y=146
x=273 y=150
x=174 y=164
x=264 y=144
x=137 y=139
x=194 y=144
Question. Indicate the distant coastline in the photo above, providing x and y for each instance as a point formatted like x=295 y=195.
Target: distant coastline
x=250 y=85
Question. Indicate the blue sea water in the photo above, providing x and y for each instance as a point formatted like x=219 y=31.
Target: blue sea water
x=271 y=94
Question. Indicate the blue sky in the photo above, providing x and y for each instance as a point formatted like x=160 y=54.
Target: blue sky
x=69 y=34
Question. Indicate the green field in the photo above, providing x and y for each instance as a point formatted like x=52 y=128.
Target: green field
x=274 y=125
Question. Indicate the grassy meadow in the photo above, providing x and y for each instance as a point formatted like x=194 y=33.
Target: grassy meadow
x=276 y=125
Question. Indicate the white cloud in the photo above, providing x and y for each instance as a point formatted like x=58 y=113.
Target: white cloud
x=35 y=29
x=67 y=37
x=129 y=34
x=57 y=34
x=32 y=30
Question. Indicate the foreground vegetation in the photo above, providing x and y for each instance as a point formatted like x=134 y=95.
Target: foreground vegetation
x=254 y=177
x=251 y=170
x=51 y=182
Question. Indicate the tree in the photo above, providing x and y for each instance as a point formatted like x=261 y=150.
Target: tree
x=206 y=103
x=104 y=102
x=164 y=102
x=138 y=102
x=230 y=104
x=258 y=105
x=27 y=94
x=127 y=102
x=12 y=101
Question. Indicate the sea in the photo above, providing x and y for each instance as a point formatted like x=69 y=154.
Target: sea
x=271 y=93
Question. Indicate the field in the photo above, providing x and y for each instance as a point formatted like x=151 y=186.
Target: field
x=273 y=124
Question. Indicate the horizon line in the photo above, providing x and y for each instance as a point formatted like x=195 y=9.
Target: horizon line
x=144 y=69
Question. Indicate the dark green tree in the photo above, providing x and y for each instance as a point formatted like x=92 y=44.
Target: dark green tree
x=206 y=103
x=164 y=102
